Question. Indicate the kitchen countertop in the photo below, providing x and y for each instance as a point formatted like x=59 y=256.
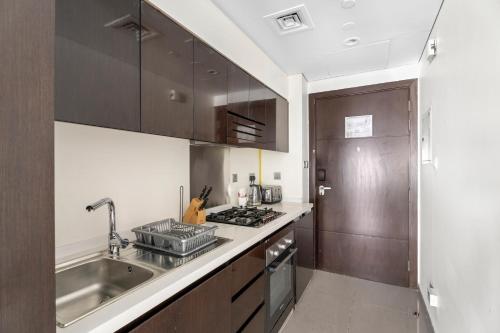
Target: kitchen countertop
x=131 y=306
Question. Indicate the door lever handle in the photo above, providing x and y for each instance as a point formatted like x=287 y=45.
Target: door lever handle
x=322 y=189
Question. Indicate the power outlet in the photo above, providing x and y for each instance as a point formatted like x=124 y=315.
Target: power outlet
x=277 y=175
x=235 y=177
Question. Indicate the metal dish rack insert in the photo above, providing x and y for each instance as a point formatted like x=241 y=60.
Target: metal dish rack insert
x=174 y=237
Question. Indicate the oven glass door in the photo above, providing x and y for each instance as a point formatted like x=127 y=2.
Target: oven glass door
x=281 y=285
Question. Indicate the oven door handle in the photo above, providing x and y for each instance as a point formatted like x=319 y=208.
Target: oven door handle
x=274 y=269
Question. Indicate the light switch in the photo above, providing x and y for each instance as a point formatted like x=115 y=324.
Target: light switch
x=277 y=175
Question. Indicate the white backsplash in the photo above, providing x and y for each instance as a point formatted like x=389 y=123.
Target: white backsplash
x=140 y=172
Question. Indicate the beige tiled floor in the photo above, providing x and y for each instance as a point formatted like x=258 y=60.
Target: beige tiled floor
x=339 y=304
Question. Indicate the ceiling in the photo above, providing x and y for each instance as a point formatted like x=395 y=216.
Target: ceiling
x=392 y=33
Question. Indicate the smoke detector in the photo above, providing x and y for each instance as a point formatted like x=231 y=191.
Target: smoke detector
x=347 y=4
x=351 y=41
x=290 y=20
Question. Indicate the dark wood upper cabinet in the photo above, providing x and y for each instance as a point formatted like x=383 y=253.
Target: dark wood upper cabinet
x=281 y=124
x=97 y=59
x=124 y=64
x=210 y=94
x=257 y=101
x=276 y=129
x=166 y=76
x=238 y=90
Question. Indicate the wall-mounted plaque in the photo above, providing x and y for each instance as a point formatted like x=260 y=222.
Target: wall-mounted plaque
x=358 y=126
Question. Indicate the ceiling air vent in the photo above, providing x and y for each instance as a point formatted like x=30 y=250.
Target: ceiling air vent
x=290 y=20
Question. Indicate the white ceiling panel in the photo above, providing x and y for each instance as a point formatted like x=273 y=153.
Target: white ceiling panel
x=392 y=33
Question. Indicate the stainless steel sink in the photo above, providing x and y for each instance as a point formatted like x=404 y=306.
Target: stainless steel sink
x=86 y=286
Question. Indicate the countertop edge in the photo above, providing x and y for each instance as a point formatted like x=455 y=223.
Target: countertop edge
x=111 y=318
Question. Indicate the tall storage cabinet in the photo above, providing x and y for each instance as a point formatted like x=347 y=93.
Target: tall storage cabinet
x=27 y=282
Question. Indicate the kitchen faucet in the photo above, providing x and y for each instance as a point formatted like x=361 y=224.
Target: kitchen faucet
x=114 y=240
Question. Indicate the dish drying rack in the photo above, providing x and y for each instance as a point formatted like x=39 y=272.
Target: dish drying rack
x=173 y=237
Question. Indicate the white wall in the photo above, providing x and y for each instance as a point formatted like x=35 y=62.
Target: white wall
x=243 y=162
x=290 y=164
x=364 y=79
x=208 y=22
x=460 y=198
x=140 y=172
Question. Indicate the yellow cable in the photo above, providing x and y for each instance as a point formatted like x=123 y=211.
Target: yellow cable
x=260 y=167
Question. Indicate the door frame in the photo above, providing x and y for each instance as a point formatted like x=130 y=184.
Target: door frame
x=412 y=86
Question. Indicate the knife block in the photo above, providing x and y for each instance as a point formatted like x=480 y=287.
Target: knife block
x=195 y=215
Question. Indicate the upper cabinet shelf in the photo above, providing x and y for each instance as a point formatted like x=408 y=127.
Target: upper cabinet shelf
x=123 y=64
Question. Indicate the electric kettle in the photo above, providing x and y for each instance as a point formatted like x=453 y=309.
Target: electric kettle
x=254 y=194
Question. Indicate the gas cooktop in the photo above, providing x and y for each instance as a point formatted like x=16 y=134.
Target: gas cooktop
x=245 y=216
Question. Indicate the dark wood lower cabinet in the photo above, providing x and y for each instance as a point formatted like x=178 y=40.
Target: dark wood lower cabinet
x=233 y=300
x=257 y=323
x=248 y=267
x=244 y=306
x=206 y=308
x=304 y=238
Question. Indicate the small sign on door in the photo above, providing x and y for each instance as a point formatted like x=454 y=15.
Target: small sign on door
x=358 y=126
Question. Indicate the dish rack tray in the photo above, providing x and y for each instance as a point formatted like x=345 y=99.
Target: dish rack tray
x=174 y=237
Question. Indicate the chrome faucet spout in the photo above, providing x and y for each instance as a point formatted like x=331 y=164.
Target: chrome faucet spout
x=114 y=239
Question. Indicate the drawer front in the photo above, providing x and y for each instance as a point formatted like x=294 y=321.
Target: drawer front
x=248 y=267
x=258 y=322
x=280 y=234
x=206 y=308
x=246 y=304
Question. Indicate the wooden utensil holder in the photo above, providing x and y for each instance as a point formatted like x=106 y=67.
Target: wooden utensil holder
x=195 y=215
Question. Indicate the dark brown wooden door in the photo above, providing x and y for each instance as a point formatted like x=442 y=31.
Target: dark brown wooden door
x=210 y=94
x=238 y=90
x=97 y=63
x=166 y=76
x=206 y=308
x=363 y=221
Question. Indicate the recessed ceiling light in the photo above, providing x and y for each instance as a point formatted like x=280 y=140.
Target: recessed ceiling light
x=348 y=26
x=351 y=41
x=346 y=4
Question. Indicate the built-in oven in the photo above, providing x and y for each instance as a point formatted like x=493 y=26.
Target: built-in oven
x=280 y=276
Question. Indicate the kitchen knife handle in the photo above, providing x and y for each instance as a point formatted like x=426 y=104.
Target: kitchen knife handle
x=203 y=192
